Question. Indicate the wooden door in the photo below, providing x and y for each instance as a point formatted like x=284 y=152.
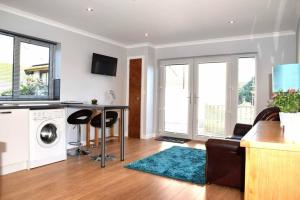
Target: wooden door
x=135 y=85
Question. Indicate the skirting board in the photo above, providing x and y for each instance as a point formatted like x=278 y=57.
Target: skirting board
x=13 y=168
x=146 y=137
x=47 y=161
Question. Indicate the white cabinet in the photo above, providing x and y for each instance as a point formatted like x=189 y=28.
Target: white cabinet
x=14 y=140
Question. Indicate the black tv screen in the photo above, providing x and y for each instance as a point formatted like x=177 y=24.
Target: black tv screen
x=104 y=65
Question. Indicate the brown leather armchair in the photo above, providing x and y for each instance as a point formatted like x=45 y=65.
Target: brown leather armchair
x=225 y=162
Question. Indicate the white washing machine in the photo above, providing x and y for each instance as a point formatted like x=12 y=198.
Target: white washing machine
x=47 y=137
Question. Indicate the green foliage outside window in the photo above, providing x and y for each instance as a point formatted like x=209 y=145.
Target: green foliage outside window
x=246 y=92
x=32 y=86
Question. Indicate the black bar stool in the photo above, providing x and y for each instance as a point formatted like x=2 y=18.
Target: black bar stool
x=78 y=118
x=111 y=119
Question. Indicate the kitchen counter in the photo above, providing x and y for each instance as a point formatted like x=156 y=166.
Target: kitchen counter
x=31 y=106
x=37 y=106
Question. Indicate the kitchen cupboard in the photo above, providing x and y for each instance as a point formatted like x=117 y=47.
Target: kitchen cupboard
x=14 y=140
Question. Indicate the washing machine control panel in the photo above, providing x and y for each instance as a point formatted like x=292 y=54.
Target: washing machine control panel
x=48 y=114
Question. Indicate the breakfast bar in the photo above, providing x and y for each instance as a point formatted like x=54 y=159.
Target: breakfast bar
x=103 y=109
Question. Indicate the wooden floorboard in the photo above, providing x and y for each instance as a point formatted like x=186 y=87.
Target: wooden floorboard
x=82 y=178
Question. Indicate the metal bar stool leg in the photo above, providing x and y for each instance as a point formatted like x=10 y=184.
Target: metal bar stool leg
x=80 y=149
x=122 y=153
x=107 y=156
x=103 y=120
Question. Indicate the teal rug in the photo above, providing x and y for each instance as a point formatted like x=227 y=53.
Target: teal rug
x=183 y=163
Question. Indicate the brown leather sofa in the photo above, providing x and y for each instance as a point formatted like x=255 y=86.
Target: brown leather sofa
x=225 y=163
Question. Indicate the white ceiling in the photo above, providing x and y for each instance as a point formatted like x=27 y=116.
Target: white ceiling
x=167 y=21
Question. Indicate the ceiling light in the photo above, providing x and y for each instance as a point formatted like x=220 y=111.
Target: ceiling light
x=146 y=34
x=90 y=9
x=231 y=22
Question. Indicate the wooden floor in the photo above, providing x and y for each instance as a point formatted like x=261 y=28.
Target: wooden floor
x=82 y=178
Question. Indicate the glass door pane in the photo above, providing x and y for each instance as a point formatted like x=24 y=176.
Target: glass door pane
x=211 y=99
x=246 y=90
x=176 y=99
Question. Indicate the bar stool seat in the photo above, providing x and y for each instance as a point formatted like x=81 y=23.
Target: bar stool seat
x=111 y=119
x=78 y=118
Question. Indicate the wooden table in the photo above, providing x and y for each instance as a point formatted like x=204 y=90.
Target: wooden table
x=103 y=109
x=272 y=163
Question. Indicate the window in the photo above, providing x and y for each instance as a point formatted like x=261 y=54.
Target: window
x=26 y=68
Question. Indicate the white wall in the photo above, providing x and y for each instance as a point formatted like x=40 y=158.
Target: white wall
x=271 y=51
x=151 y=95
x=74 y=59
x=77 y=83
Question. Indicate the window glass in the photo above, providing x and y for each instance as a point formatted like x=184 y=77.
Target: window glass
x=246 y=90
x=176 y=93
x=34 y=70
x=6 y=65
x=211 y=101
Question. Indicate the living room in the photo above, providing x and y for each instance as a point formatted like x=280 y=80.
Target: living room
x=183 y=77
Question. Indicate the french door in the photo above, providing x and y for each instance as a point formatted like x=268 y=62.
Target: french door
x=176 y=98
x=211 y=96
x=199 y=97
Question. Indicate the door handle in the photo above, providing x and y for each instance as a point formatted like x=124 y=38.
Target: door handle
x=138 y=98
x=195 y=99
x=190 y=98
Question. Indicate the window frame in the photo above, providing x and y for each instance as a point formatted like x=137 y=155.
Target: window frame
x=18 y=39
x=8 y=98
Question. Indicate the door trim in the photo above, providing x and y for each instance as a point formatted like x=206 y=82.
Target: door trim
x=143 y=105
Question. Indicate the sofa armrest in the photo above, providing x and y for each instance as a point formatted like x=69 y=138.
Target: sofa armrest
x=225 y=162
x=241 y=130
x=222 y=145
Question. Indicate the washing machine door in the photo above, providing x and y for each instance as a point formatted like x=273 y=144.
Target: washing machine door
x=48 y=134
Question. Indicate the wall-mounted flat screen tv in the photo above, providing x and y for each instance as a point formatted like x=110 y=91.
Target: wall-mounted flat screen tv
x=104 y=65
